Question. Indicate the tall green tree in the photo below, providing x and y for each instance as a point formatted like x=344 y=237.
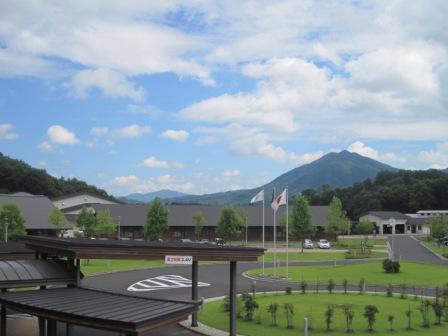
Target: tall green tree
x=300 y=220
x=199 y=220
x=58 y=220
x=336 y=220
x=104 y=224
x=230 y=224
x=86 y=222
x=365 y=228
x=156 y=220
x=10 y=214
x=438 y=225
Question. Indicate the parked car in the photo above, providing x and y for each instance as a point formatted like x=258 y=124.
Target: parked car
x=206 y=242
x=186 y=240
x=323 y=244
x=308 y=244
x=220 y=241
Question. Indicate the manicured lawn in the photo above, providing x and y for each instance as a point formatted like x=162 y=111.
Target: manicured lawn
x=104 y=265
x=356 y=243
x=298 y=256
x=313 y=306
x=372 y=272
x=440 y=249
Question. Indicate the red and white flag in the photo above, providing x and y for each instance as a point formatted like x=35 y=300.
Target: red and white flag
x=279 y=200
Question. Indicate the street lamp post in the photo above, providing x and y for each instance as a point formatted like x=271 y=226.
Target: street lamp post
x=392 y=223
x=6 y=229
x=119 y=233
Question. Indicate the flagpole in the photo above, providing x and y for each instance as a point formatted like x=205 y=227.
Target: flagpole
x=287 y=237
x=262 y=233
x=275 y=243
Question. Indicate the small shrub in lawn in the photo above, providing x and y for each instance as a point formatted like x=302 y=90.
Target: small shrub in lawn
x=390 y=319
x=329 y=312
x=288 y=290
x=437 y=293
x=389 y=290
x=403 y=288
x=289 y=313
x=438 y=311
x=303 y=286
x=445 y=301
x=408 y=314
x=330 y=286
x=390 y=266
x=370 y=312
x=249 y=306
x=424 y=310
x=225 y=306
x=272 y=309
x=349 y=314
x=361 y=285
x=258 y=319
x=345 y=285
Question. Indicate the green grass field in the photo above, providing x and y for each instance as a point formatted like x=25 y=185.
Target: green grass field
x=298 y=256
x=313 y=306
x=104 y=265
x=356 y=243
x=440 y=249
x=372 y=272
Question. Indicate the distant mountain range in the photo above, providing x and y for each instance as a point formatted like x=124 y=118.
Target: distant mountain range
x=337 y=170
x=146 y=198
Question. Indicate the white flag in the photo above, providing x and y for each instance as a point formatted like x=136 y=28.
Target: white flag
x=258 y=197
x=279 y=200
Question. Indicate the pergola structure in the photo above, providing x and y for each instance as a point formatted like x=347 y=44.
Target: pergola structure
x=76 y=249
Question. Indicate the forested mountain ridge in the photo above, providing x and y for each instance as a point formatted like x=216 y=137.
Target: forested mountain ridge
x=334 y=169
x=16 y=175
x=406 y=191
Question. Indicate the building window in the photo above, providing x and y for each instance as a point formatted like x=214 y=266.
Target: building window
x=419 y=227
x=177 y=235
x=409 y=228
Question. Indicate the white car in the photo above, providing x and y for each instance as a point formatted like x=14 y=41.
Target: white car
x=308 y=244
x=323 y=244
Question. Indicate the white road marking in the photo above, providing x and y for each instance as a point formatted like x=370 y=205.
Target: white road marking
x=163 y=282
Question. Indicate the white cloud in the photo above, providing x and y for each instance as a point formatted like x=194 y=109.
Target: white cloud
x=130 y=132
x=153 y=162
x=7 y=132
x=176 y=135
x=59 y=135
x=99 y=131
x=123 y=185
x=112 y=83
x=45 y=146
x=230 y=173
x=389 y=157
x=437 y=157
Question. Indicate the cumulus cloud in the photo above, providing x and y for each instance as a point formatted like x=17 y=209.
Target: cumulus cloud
x=112 y=83
x=129 y=132
x=123 y=185
x=7 y=132
x=437 y=158
x=153 y=162
x=176 y=135
x=58 y=135
x=362 y=149
x=230 y=173
x=99 y=131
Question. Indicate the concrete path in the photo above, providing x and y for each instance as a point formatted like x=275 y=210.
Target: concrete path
x=409 y=249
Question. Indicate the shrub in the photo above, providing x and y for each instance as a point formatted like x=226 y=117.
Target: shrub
x=357 y=254
x=345 y=285
x=389 y=290
x=390 y=319
x=272 y=309
x=370 y=312
x=330 y=286
x=249 y=306
x=289 y=312
x=288 y=290
x=408 y=314
x=362 y=285
x=349 y=314
x=390 y=266
x=329 y=312
x=438 y=311
x=225 y=306
x=424 y=310
x=303 y=286
x=403 y=288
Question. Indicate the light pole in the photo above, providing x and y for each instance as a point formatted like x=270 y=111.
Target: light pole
x=392 y=222
x=119 y=234
x=6 y=229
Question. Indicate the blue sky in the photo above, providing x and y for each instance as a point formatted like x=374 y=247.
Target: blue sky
x=205 y=96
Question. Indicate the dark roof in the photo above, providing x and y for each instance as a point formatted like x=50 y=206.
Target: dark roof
x=15 y=251
x=131 y=249
x=35 y=209
x=417 y=220
x=98 y=309
x=26 y=273
x=387 y=214
x=182 y=214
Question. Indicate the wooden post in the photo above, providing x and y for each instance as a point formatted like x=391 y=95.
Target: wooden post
x=51 y=328
x=78 y=272
x=194 y=291
x=3 y=317
x=232 y=299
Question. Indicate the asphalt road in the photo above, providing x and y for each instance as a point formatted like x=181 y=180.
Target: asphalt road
x=409 y=249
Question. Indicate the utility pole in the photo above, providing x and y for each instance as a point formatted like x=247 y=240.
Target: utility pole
x=119 y=234
x=6 y=229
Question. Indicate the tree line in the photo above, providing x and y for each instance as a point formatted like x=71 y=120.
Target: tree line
x=405 y=191
x=16 y=175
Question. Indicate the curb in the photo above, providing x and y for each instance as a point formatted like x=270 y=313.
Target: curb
x=428 y=249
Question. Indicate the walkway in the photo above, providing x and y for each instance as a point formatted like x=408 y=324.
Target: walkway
x=409 y=249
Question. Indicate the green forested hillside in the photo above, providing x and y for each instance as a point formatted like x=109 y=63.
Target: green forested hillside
x=16 y=175
x=405 y=191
